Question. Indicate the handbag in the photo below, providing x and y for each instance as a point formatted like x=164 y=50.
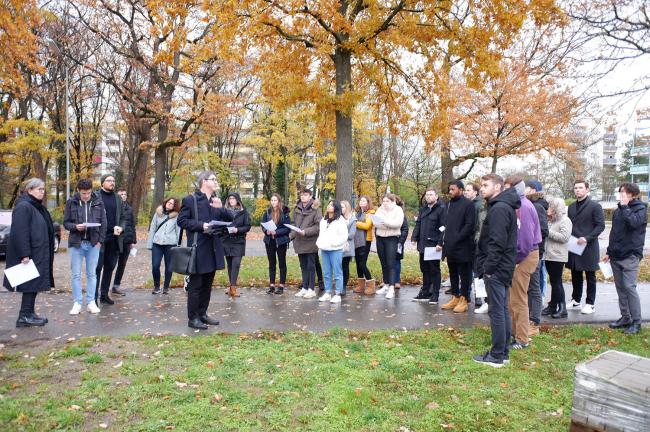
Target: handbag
x=183 y=258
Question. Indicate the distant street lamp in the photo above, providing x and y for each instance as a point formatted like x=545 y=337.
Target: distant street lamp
x=56 y=48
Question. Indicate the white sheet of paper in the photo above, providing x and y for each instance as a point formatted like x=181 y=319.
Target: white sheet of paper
x=133 y=252
x=479 y=286
x=574 y=247
x=293 y=227
x=91 y=224
x=606 y=268
x=21 y=273
x=376 y=219
x=430 y=253
x=220 y=223
x=270 y=226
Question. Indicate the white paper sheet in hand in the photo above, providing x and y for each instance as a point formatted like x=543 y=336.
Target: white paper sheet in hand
x=21 y=273
x=133 y=252
x=293 y=227
x=606 y=268
x=574 y=247
x=479 y=287
x=220 y=223
x=376 y=219
x=270 y=226
x=430 y=253
x=91 y=224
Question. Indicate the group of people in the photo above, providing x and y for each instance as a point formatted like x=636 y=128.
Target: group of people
x=503 y=235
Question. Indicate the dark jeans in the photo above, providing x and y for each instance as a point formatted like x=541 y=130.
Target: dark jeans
x=361 y=259
x=107 y=260
x=535 y=300
x=198 y=294
x=430 y=276
x=346 y=271
x=576 y=281
x=308 y=270
x=461 y=271
x=500 y=322
x=555 y=270
x=281 y=251
x=27 y=304
x=234 y=263
x=121 y=265
x=158 y=252
x=319 y=269
x=387 y=251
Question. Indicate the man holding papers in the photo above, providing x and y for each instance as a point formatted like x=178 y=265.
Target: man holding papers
x=31 y=239
x=427 y=235
x=85 y=218
x=588 y=222
x=624 y=252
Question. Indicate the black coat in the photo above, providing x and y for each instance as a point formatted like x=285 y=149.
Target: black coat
x=588 y=222
x=458 y=237
x=282 y=233
x=235 y=244
x=129 y=234
x=403 y=236
x=497 y=244
x=209 y=254
x=541 y=205
x=427 y=228
x=31 y=235
x=76 y=212
x=628 y=230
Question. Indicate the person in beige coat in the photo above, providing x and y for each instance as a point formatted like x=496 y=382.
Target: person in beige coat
x=388 y=223
x=557 y=255
x=306 y=216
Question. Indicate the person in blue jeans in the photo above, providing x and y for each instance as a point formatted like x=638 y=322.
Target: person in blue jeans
x=332 y=238
x=163 y=236
x=85 y=218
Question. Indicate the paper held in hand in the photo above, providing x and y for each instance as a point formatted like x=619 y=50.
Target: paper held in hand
x=21 y=273
x=91 y=224
x=376 y=219
x=293 y=228
x=219 y=223
x=574 y=247
x=606 y=268
x=133 y=252
x=269 y=226
x=430 y=254
x=479 y=287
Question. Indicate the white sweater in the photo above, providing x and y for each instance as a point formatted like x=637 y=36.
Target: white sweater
x=332 y=236
x=392 y=221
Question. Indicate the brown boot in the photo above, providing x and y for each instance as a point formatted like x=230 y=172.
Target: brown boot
x=370 y=287
x=232 y=291
x=533 y=329
x=361 y=286
x=462 y=305
x=451 y=303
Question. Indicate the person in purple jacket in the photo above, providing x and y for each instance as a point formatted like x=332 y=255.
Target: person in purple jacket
x=529 y=236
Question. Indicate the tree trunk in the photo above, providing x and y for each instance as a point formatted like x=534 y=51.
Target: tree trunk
x=160 y=166
x=446 y=167
x=495 y=160
x=344 y=150
x=137 y=178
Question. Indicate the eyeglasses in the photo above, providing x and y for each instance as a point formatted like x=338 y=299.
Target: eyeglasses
x=212 y=179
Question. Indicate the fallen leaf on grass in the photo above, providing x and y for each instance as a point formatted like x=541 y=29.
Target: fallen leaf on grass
x=180 y=384
x=103 y=425
x=74 y=408
x=210 y=364
x=447 y=426
x=117 y=366
x=432 y=405
x=216 y=398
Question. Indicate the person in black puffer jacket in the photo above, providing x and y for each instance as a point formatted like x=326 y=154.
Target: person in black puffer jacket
x=625 y=251
x=276 y=242
x=535 y=195
x=234 y=239
x=129 y=239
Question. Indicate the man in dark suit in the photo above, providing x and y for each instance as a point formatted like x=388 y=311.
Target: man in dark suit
x=209 y=252
x=588 y=222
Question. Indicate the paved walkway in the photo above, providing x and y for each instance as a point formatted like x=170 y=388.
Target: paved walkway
x=142 y=313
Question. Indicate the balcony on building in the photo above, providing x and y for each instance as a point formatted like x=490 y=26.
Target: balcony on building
x=639 y=169
x=640 y=150
x=607 y=148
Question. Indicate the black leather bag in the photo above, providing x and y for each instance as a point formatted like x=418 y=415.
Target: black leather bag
x=183 y=258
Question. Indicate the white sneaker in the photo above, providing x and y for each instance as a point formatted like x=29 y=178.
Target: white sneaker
x=446 y=283
x=482 y=309
x=76 y=308
x=336 y=299
x=391 y=292
x=574 y=305
x=92 y=308
x=301 y=293
x=382 y=290
x=325 y=297
x=588 y=309
x=309 y=294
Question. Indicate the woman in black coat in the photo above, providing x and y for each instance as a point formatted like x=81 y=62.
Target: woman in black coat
x=276 y=242
x=234 y=239
x=31 y=238
x=403 y=236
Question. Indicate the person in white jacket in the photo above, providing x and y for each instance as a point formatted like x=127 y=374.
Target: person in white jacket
x=388 y=223
x=332 y=237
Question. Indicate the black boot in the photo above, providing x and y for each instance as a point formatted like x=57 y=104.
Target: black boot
x=560 y=312
x=620 y=323
x=550 y=309
x=29 y=321
x=196 y=323
x=271 y=290
x=207 y=320
x=634 y=328
x=106 y=299
x=279 y=290
x=36 y=317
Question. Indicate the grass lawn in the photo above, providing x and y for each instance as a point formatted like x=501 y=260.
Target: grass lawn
x=338 y=381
